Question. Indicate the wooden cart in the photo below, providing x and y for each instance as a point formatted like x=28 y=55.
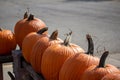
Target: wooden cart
x=21 y=69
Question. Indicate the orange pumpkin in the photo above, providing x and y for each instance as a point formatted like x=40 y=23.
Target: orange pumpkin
x=7 y=41
x=40 y=46
x=25 y=26
x=54 y=57
x=97 y=72
x=113 y=76
x=74 y=67
x=30 y=40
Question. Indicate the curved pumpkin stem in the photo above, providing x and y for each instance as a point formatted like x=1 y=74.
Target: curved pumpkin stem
x=68 y=39
x=41 y=31
x=102 y=59
x=31 y=17
x=26 y=15
x=0 y=29
x=90 y=45
x=54 y=35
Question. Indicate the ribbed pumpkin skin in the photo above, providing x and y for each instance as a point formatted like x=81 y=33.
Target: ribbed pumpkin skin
x=74 y=67
x=54 y=57
x=97 y=72
x=7 y=42
x=38 y=49
x=24 y=27
x=114 y=76
x=28 y=44
x=94 y=73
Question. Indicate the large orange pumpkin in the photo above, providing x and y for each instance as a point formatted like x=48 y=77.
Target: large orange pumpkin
x=74 y=67
x=40 y=46
x=7 y=41
x=97 y=72
x=113 y=76
x=25 y=26
x=54 y=57
x=29 y=42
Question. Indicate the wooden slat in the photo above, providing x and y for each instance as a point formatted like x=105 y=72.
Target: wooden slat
x=6 y=58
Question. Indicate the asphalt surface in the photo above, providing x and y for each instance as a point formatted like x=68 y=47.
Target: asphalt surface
x=101 y=19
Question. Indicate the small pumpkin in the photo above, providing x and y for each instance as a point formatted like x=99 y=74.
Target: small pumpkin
x=7 y=41
x=113 y=76
x=97 y=72
x=25 y=26
x=40 y=46
x=29 y=42
x=54 y=57
x=74 y=67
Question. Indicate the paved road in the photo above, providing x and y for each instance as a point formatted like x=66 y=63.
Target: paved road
x=101 y=19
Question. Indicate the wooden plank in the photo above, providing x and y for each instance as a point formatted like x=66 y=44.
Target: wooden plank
x=6 y=58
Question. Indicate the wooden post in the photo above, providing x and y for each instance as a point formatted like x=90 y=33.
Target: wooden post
x=18 y=69
x=23 y=70
x=1 y=72
x=17 y=66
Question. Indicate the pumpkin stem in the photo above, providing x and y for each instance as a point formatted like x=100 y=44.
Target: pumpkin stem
x=41 y=31
x=68 y=39
x=102 y=59
x=26 y=15
x=90 y=45
x=0 y=29
x=54 y=35
x=31 y=17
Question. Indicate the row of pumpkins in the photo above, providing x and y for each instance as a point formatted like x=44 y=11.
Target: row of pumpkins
x=52 y=57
